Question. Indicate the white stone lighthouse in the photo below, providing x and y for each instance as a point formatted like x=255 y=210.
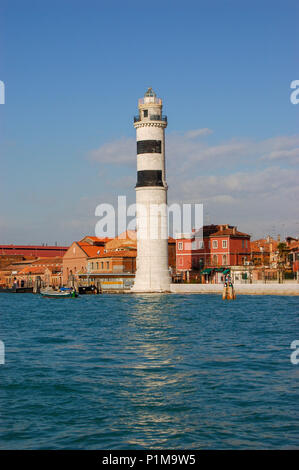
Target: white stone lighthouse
x=152 y=273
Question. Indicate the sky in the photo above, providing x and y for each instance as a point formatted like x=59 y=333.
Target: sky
x=73 y=72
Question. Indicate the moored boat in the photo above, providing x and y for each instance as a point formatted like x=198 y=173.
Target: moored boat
x=59 y=294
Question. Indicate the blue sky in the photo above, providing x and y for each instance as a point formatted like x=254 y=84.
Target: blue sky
x=73 y=72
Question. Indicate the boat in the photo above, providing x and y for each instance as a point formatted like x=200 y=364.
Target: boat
x=59 y=294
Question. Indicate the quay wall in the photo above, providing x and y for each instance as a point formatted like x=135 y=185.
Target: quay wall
x=254 y=289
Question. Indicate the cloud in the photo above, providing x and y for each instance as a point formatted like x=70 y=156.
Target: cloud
x=118 y=152
x=198 y=133
x=123 y=151
x=241 y=181
x=292 y=156
x=240 y=185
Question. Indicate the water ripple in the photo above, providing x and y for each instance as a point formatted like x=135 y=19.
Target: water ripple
x=148 y=371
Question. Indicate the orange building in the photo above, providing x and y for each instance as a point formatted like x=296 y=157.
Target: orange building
x=264 y=252
x=76 y=257
x=91 y=256
x=24 y=273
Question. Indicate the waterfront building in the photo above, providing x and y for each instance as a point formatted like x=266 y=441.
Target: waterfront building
x=76 y=257
x=211 y=255
x=92 y=259
x=24 y=272
x=152 y=273
x=264 y=252
x=36 y=251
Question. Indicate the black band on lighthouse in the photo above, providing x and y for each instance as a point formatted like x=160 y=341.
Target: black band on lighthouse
x=149 y=178
x=148 y=146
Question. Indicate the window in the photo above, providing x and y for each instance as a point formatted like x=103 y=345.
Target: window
x=91 y=265
x=102 y=265
x=215 y=260
x=224 y=260
x=243 y=244
x=107 y=264
x=224 y=243
x=180 y=245
x=97 y=265
x=200 y=245
x=215 y=243
x=145 y=113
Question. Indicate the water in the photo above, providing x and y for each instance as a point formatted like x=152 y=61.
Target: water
x=149 y=371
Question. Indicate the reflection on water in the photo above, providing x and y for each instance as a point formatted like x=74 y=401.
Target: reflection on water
x=148 y=371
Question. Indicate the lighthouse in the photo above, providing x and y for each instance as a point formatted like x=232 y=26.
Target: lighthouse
x=152 y=272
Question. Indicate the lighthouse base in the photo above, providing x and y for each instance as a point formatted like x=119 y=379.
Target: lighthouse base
x=152 y=273
x=147 y=290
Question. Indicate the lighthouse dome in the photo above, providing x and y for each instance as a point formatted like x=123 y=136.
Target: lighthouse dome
x=150 y=93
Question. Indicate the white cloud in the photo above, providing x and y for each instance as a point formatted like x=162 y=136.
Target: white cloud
x=118 y=152
x=292 y=156
x=232 y=178
x=240 y=185
x=198 y=133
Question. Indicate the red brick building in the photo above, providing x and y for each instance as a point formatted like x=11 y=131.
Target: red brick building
x=36 y=251
x=219 y=246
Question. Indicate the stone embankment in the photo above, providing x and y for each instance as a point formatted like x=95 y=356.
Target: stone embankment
x=254 y=289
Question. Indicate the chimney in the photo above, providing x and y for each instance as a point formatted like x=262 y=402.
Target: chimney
x=234 y=230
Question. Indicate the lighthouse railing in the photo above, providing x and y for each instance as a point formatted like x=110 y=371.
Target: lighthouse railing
x=154 y=117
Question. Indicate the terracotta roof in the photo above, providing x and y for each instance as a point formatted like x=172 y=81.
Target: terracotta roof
x=124 y=240
x=294 y=246
x=48 y=261
x=91 y=250
x=264 y=243
x=118 y=254
x=93 y=240
x=229 y=231
x=215 y=231
x=33 y=270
